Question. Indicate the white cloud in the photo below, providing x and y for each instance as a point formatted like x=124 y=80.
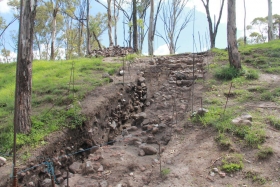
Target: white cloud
x=11 y=58
x=162 y=50
x=4 y=8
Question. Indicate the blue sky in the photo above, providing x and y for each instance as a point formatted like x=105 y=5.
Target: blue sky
x=255 y=8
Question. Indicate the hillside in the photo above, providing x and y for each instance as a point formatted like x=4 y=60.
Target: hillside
x=151 y=131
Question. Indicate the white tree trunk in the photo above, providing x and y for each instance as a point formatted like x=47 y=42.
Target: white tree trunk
x=109 y=23
x=88 y=32
x=234 y=56
x=151 y=30
x=270 y=26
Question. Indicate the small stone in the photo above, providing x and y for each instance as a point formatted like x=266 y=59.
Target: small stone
x=75 y=167
x=100 y=169
x=47 y=183
x=141 y=152
x=31 y=184
x=222 y=174
x=246 y=117
x=121 y=72
x=202 y=111
x=142 y=168
x=132 y=128
x=3 y=160
x=131 y=174
x=212 y=174
x=149 y=150
x=216 y=170
x=141 y=80
x=103 y=184
x=105 y=75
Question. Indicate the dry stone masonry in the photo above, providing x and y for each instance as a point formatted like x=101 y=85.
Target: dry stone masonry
x=134 y=119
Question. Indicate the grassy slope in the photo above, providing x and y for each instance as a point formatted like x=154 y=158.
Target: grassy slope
x=52 y=91
x=247 y=90
x=265 y=57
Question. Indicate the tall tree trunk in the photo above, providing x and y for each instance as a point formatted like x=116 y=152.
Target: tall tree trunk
x=245 y=38
x=151 y=30
x=55 y=10
x=24 y=67
x=234 y=56
x=270 y=26
x=115 y=28
x=134 y=20
x=213 y=33
x=109 y=23
x=88 y=32
x=279 y=30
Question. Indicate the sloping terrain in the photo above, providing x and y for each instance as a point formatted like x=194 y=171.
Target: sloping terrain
x=148 y=128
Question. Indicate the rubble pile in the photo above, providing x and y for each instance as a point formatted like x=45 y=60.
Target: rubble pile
x=137 y=118
x=113 y=51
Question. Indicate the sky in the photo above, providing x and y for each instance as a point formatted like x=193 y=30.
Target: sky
x=254 y=8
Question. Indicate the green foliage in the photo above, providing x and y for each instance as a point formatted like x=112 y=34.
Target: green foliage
x=252 y=74
x=255 y=177
x=165 y=171
x=232 y=163
x=52 y=86
x=223 y=141
x=264 y=152
x=269 y=95
x=131 y=57
x=274 y=121
x=265 y=56
x=227 y=73
x=255 y=136
x=220 y=55
x=232 y=167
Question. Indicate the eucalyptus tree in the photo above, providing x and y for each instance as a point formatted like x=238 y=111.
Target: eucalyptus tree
x=276 y=23
x=212 y=31
x=24 y=67
x=142 y=8
x=270 y=26
x=234 y=56
x=171 y=16
x=97 y=26
x=109 y=14
x=152 y=26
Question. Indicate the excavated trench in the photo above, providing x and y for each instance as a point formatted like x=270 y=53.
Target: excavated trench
x=142 y=113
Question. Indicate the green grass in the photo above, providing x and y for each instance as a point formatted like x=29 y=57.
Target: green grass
x=223 y=141
x=256 y=178
x=232 y=163
x=274 y=121
x=265 y=57
x=52 y=85
x=165 y=171
x=226 y=73
x=264 y=152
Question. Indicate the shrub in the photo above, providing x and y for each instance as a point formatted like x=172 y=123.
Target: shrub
x=264 y=152
x=227 y=73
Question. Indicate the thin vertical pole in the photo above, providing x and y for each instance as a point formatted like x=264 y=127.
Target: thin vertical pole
x=123 y=70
